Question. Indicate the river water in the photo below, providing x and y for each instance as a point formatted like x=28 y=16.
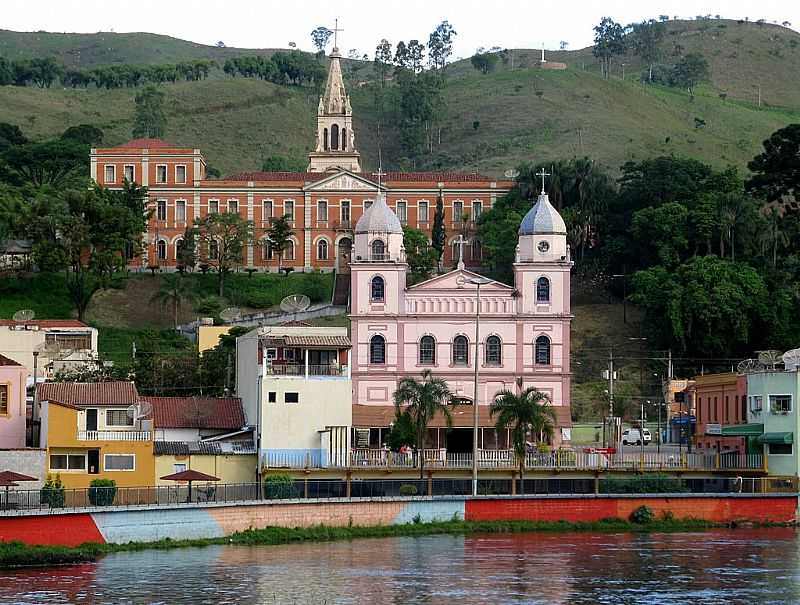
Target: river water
x=726 y=566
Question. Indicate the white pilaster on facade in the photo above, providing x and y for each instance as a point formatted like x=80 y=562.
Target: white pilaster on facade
x=145 y=168
x=250 y=254
x=196 y=205
x=307 y=243
x=93 y=164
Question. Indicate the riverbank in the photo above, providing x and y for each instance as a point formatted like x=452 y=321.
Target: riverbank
x=17 y=554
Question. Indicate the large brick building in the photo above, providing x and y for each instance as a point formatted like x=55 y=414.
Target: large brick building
x=323 y=203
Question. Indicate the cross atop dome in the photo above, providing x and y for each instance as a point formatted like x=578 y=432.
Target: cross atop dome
x=542 y=174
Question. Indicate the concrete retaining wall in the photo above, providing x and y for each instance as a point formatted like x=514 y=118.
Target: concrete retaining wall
x=210 y=521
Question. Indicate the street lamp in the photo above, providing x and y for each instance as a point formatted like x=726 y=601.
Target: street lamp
x=478 y=282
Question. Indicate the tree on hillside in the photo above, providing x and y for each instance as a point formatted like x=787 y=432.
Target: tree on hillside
x=776 y=170
x=320 y=37
x=282 y=163
x=44 y=71
x=484 y=62
x=645 y=40
x=527 y=414
x=438 y=233
x=186 y=251
x=690 y=70
x=58 y=162
x=10 y=136
x=440 y=45
x=279 y=237
x=383 y=60
x=420 y=256
x=86 y=134
x=149 y=121
x=174 y=290
x=661 y=233
x=423 y=401
x=222 y=241
x=609 y=41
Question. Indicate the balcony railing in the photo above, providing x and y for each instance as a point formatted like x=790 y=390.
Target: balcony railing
x=504 y=459
x=115 y=436
x=300 y=370
x=343 y=225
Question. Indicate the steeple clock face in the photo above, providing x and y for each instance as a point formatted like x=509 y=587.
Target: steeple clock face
x=543 y=247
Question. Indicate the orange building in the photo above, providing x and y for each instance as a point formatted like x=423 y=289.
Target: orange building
x=323 y=204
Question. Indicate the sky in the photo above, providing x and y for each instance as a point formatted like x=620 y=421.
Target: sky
x=269 y=24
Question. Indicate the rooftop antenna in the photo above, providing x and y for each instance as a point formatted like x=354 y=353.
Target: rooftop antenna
x=294 y=303
x=139 y=410
x=24 y=315
x=230 y=314
x=542 y=174
x=511 y=173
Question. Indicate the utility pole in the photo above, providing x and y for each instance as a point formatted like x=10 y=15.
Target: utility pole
x=610 y=375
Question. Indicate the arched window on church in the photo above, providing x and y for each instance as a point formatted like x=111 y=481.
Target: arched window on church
x=427 y=350
x=335 y=137
x=344 y=139
x=542 y=290
x=322 y=250
x=460 y=351
x=325 y=139
x=161 y=249
x=377 y=349
x=178 y=250
x=378 y=250
x=543 y=351
x=377 y=290
x=494 y=351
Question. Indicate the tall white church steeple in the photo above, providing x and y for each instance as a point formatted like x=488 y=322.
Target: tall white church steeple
x=336 y=143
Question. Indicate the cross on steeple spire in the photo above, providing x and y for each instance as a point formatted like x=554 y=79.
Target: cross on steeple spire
x=542 y=174
x=336 y=31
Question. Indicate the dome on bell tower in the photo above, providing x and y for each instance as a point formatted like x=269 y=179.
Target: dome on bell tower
x=542 y=219
x=379 y=218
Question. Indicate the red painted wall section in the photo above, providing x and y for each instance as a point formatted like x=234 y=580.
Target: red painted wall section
x=56 y=530
x=719 y=510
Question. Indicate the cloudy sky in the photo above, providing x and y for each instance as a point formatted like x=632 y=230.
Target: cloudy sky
x=265 y=23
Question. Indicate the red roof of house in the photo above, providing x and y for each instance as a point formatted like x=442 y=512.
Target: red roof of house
x=224 y=413
x=46 y=323
x=5 y=361
x=146 y=144
x=89 y=393
x=275 y=176
x=426 y=177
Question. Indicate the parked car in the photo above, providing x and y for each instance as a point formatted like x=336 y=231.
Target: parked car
x=636 y=437
x=646 y=436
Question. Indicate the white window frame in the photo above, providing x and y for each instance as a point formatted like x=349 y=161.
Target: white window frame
x=345 y=207
x=322 y=211
x=213 y=201
x=159 y=204
x=234 y=201
x=271 y=353
x=458 y=217
x=402 y=215
x=265 y=216
x=476 y=205
x=771 y=400
x=179 y=467
x=118 y=470
x=166 y=249
x=113 y=169
x=124 y=411
x=289 y=215
x=327 y=249
x=83 y=455
x=133 y=172
x=760 y=400
x=166 y=174
x=769 y=453
x=290 y=252
x=178 y=205
x=185 y=174
x=423 y=218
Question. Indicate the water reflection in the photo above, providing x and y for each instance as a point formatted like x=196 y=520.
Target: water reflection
x=741 y=566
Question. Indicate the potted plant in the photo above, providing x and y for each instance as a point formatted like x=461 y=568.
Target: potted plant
x=53 y=492
x=102 y=492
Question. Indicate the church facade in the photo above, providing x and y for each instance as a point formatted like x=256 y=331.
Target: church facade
x=323 y=204
x=399 y=330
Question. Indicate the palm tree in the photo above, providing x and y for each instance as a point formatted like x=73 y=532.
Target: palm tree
x=422 y=401
x=174 y=289
x=774 y=235
x=528 y=411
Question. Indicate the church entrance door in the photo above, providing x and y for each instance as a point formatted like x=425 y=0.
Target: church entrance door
x=344 y=252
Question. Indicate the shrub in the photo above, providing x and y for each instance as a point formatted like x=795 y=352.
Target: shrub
x=667 y=515
x=643 y=484
x=209 y=305
x=408 y=489
x=279 y=487
x=642 y=515
x=102 y=492
x=53 y=492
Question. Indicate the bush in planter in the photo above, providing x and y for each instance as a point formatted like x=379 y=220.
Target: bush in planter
x=53 y=493
x=408 y=489
x=102 y=492
x=278 y=487
x=642 y=515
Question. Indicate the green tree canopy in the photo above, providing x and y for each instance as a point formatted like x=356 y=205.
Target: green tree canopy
x=776 y=170
x=222 y=242
x=150 y=120
x=420 y=256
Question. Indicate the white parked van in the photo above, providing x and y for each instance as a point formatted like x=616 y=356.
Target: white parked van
x=636 y=437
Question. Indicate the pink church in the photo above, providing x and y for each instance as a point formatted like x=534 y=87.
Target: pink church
x=399 y=330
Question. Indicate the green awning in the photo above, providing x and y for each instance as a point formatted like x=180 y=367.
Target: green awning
x=776 y=438
x=742 y=430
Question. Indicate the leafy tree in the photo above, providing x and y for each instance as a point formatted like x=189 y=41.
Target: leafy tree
x=222 y=239
x=440 y=45
x=526 y=413
x=402 y=433
x=423 y=401
x=279 y=237
x=645 y=41
x=59 y=162
x=662 y=232
x=150 y=121
x=383 y=60
x=691 y=69
x=174 y=290
x=44 y=71
x=420 y=256
x=86 y=134
x=415 y=56
x=187 y=252
x=609 y=41
x=776 y=170
x=10 y=136
x=498 y=230
x=401 y=59
x=282 y=163
x=438 y=234
x=484 y=62
x=320 y=37
x=774 y=236
x=218 y=365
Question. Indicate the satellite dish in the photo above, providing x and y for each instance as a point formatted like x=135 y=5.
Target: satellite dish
x=139 y=410
x=24 y=315
x=512 y=173
x=791 y=359
x=230 y=314
x=295 y=303
x=770 y=358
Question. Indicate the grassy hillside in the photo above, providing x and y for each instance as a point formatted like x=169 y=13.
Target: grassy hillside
x=492 y=122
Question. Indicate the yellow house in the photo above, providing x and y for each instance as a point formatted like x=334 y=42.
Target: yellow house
x=229 y=464
x=89 y=434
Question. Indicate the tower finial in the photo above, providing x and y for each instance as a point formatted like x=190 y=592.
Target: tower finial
x=460 y=241
x=542 y=174
x=336 y=31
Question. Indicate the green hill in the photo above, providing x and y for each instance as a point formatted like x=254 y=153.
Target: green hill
x=492 y=122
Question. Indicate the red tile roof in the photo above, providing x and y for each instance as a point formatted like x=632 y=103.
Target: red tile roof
x=427 y=177
x=197 y=412
x=146 y=144
x=276 y=176
x=46 y=323
x=5 y=361
x=89 y=393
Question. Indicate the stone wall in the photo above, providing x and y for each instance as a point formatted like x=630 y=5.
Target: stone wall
x=28 y=461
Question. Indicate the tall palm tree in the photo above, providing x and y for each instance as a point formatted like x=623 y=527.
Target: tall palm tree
x=527 y=411
x=774 y=235
x=174 y=289
x=422 y=401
